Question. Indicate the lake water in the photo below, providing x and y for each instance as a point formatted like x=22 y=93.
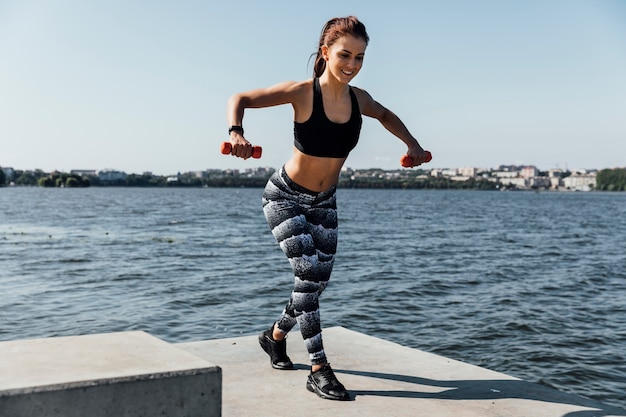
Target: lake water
x=529 y=284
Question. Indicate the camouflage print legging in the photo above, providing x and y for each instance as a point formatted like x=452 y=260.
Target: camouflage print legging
x=305 y=225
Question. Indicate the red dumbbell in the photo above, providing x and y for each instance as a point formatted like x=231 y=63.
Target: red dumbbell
x=407 y=162
x=256 y=150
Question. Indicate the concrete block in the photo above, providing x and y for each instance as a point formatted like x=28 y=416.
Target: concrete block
x=383 y=379
x=118 y=374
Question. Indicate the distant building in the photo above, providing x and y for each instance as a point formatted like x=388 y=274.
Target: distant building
x=468 y=172
x=585 y=182
x=84 y=172
x=539 y=182
x=529 y=172
x=555 y=182
x=110 y=175
x=555 y=173
x=508 y=168
x=450 y=172
x=505 y=174
x=259 y=172
x=517 y=182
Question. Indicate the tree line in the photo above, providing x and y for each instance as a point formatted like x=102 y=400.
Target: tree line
x=65 y=180
x=606 y=180
x=611 y=180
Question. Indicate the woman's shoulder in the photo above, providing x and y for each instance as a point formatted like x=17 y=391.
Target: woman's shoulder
x=363 y=97
x=291 y=89
x=361 y=93
x=299 y=86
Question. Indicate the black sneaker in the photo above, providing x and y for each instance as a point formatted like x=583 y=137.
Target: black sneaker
x=276 y=350
x=325 y=384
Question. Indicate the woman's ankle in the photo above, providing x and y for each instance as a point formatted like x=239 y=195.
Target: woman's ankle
x=277 y=335
x=317 y=367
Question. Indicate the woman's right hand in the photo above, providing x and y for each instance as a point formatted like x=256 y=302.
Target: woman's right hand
x=241 y=148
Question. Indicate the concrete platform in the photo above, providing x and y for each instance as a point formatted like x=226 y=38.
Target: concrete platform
x=116 y=374
x=384 y=379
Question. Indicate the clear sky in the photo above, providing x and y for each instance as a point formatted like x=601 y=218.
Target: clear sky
x=142 y=85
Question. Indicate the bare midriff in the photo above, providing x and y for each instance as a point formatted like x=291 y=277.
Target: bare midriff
x=312 y=172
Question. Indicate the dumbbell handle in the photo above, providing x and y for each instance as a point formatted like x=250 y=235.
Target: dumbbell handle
x=227 y=148
x=407 y=162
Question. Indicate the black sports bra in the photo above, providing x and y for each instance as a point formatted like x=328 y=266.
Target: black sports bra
x=322 y=137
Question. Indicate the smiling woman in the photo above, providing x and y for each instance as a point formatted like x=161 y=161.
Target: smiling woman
x=299 y=200
x=335 y=30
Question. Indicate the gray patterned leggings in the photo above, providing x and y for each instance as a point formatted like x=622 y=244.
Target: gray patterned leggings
x=304 y=224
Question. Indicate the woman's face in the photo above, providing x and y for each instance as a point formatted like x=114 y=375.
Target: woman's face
x=344 y=58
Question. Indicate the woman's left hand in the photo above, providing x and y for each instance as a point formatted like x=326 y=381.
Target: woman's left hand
x=418 y=155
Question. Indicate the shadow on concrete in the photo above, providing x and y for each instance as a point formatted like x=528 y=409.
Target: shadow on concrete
x=485 y=390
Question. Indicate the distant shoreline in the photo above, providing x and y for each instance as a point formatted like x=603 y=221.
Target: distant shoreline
x=504 y=178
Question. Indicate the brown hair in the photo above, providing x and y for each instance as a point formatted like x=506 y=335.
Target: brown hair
x=334 y=29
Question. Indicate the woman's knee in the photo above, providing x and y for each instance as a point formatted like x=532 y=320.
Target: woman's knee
x=316 y=268
x=298 y=244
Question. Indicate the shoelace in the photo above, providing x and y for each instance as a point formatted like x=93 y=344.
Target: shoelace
x=326 y=376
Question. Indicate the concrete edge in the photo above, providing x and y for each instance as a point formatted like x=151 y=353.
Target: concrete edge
x=109 y=381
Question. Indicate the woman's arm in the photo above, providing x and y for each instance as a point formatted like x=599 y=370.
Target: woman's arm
x=283 y=93
x=392 y=123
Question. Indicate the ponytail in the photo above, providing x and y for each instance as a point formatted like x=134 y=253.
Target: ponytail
x=320 y=64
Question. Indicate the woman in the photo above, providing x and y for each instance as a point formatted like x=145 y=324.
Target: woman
x=299 y=199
